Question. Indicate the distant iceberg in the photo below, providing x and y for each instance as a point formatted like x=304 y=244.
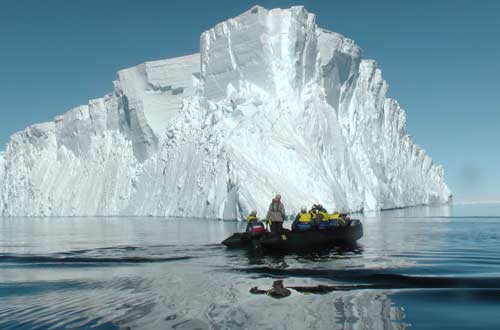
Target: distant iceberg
x=272 y=103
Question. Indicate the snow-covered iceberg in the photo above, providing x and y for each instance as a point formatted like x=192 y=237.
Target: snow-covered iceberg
x=272 y=103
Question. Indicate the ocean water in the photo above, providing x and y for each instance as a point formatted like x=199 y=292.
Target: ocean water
x=417 y=268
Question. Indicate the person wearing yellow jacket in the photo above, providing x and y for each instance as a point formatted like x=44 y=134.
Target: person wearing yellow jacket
x=337 y=219
x=320 y=216
x=254 y=225
x=252 y=217
x=303 y=221
x=323 y=219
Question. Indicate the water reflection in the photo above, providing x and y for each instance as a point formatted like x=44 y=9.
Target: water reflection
x=279 y=258
x=50 y=235
x=368 y=310
x=392 y=234
x=153 y=273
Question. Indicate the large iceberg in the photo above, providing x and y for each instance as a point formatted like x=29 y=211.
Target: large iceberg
x=271 y=104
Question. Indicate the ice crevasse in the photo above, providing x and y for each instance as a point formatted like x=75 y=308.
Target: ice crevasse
x=271 y=104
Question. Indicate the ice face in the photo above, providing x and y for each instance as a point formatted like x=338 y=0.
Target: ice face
x=151 y=95
x=272 y=50
x=271 y=104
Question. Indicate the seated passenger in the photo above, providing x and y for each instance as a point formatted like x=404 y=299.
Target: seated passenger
x=335 y=215
x=334 y=219
x=320 y=216
x=339 y=218
x=314 y=213
x=324 y=220
x=303 y=221
x=252 y=217
x=254 y=225
x=320 y=208
x=344 y=219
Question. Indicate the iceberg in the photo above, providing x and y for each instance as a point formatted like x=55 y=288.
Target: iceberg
x=271 y=104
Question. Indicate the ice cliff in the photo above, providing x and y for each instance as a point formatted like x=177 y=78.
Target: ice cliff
x=272 y=103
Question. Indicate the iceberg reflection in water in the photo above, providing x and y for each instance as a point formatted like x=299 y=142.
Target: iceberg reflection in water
x=154 y=273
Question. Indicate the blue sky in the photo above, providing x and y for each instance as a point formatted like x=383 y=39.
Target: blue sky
x=440 y=58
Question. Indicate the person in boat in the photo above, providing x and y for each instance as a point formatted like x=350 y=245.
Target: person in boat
x=314 y=217
x=339 y=219
x=303 y=221
x=324 y=221
x=254 y=225
x=327 y=221
x=320 y=216
x=322 y=213
x=276 y=214
x=319 y=208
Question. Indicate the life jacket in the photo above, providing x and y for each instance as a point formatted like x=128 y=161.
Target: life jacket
x=256 y=227
x=339 y=218
x=304 y=222
x=305 y=217
x=325 y=222
x=323 y=216
x=335 y=215
x=251 y=218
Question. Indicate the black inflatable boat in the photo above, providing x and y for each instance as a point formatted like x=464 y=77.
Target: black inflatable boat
x=296 y=240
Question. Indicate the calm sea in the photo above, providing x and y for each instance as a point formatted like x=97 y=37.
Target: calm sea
x=417 y=268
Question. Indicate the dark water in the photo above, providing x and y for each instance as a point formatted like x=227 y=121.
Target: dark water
x=420 y=268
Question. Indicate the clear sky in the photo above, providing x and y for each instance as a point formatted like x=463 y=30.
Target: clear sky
x=440 y=58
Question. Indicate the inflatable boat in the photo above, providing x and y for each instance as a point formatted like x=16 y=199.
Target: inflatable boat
x=297 y=240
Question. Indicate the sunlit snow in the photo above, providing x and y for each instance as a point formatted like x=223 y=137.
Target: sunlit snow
x=272 y=103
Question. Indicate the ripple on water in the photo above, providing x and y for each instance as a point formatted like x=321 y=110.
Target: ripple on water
x=134 y=273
